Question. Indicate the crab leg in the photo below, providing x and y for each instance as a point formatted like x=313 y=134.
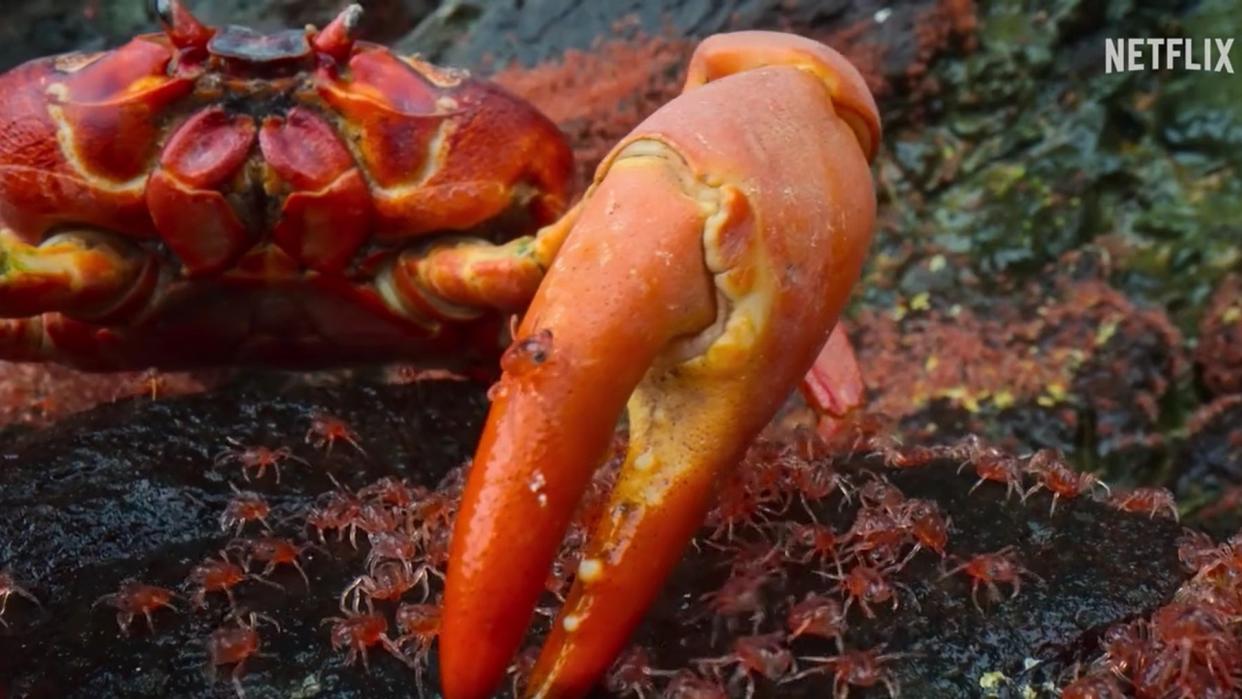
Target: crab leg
x=79 y=273
x=709 y=261
x=462 y=277
x=834 y=385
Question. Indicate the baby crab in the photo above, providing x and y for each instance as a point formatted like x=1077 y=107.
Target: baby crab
x=1149 y=501
x=244 y=507
x=817 y=541
x=357 y=632
x=391 y=546
x=419 y=624
x=992 y=568
x=234 y=645
x=632 y=674
x=396 y=492
x=133 y=598
x=257 y=458
x=9 y=587
x=868 y=586
x=1061 y=480
x=221 y=575
x=337 y=509
x=856 y=668
x=816 y=615
x=741 y=594
x=688 y=685
x=388 y=581
x=325 y=430
x=274 y=551
x=754 y=655
x=993 y=465
x=929 y=526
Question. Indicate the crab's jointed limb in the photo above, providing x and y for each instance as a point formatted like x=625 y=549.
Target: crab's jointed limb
x=705 y=269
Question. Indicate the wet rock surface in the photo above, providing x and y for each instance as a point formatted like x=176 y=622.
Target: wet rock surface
x=132 y=489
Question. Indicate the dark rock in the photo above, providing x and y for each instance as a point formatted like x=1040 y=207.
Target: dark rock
x=130 y=490
x=527 y=32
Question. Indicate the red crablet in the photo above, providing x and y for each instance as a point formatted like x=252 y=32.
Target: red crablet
x=244 y=507
x=687 y=684
x=221 y=575
x=273 y=551
x=632 y=674
x=235 y=645
x=1148 y=501
x=256 y=458
x=388 y=581
x=418 y=624
x=133 y=598
x=762 y=655
x=326 y=430
x=741 y=595
x=868 y=585
x=1054 y=475
x=989 y=569
x=356 y=632
x=992 y=465
x=816 y=615
x=855 y=668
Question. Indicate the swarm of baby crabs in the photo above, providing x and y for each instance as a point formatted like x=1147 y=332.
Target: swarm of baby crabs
x=1191 y=647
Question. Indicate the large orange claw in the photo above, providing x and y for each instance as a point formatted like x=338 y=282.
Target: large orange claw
x=708 y=263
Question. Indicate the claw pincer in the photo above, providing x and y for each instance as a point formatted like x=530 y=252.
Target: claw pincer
x=704 y=271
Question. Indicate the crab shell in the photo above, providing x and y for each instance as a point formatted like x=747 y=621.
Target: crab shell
x=209 y=196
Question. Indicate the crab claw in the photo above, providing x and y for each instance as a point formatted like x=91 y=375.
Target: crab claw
x=708 y=263
x=81 y=273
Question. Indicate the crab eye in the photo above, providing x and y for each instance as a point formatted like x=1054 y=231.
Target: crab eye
x=163 y=11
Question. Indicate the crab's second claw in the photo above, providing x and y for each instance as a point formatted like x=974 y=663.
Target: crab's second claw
x=83 y=274
x=708 y=263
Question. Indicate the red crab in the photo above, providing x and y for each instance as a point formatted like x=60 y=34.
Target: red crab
x=816 y=615
x=211 y=195
x=257 y=458
x=133 y=598
x=325 y=430
x=991 y=568
x=244 y=507
x=357 y=632
x=220 y=575
x=234 y=645
x=856 y=668
x=274 y=551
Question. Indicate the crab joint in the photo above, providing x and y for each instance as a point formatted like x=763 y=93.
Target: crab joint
x=81 y=274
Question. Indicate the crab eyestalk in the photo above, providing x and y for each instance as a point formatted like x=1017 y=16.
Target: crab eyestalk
x=707 y=265
x=337 y=39
x=183 y=29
